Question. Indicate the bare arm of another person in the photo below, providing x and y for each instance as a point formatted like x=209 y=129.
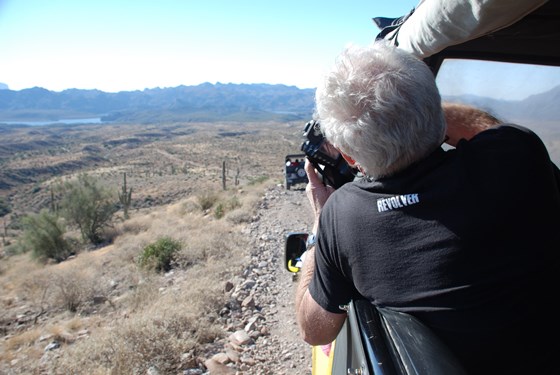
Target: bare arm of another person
x=464 y=122
x=317 y=325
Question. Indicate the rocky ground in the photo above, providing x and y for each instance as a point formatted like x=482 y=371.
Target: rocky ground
x=266 y=333
x=261 y=333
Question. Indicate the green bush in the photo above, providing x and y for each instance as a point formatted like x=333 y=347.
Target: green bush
x=219 y=211
x=89 y=206
x=159 y=255
x=223 y=207
x=43 y=235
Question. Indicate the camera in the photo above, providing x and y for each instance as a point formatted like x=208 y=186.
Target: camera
x=326 y=159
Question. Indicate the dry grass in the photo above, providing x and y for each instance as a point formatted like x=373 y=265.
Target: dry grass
x=156 y=334
x=155 y=328
x=109 y=315
x=144 y=322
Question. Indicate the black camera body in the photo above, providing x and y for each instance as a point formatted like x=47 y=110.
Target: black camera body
x=330 y=164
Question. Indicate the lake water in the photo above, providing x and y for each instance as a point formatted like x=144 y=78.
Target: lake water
x=74 y=121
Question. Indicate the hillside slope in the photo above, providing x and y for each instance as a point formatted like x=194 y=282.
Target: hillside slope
x=229 y=282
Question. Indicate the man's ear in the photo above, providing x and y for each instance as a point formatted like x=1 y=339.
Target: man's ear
x=351 y=162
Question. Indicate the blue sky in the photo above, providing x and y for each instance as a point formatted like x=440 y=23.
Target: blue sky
x=116 y=45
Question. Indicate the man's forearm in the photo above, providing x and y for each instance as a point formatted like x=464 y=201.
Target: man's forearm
x=317 y=326
x=306 y=274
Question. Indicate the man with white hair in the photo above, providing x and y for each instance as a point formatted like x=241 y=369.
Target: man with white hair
x=464 y=239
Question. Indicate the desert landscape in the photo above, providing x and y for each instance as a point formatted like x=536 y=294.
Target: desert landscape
x=205 y=186
x=213 y=191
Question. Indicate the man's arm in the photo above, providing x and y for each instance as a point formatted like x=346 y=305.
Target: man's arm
x=317 y=325
x=464 y=122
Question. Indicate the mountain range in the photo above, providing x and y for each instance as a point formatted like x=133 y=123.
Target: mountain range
x=204 y=102
x=218 y=102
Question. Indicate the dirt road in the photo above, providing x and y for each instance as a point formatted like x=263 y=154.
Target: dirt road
x=282 y=351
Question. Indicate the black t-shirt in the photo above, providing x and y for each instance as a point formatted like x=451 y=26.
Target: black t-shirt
x=467 y=240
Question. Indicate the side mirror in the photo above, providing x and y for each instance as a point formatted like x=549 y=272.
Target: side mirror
x=295 y=246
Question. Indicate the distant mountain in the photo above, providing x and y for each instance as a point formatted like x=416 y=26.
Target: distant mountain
x=536 y=109
x=3 y=86
x=204 y=102
x=222 y=102
x=540 y=113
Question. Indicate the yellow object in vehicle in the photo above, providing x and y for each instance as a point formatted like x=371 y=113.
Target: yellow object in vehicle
x=294 y=268
x=322 y=363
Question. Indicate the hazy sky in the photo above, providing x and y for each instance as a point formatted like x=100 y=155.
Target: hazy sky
x=116 y=45
x=496 y=80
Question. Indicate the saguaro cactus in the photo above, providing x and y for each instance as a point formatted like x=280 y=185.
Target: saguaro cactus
x=125 y=197
x=237 y=176
x=5 y=234
x=224 y=175
x=54 y=205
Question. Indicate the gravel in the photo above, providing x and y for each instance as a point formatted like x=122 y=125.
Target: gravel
x=265 y=338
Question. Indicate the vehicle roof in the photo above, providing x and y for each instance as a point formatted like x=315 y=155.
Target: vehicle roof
x=533 y=37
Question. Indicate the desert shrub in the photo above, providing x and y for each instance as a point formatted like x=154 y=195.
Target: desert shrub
x=139 y=345
x=4 y=207
x=189 y=206
x=43 y=235
x=163 y=335
x=143 y=294
x=210 y=246
x=219 y=210
x=15 y=248
x=134 y=226
x=36 y=290
x=159 y=255
x=223 y=207
x=89 y=206
x=246 y=211
x=239 y=217
x=258 y=180
x=15 y=222
x=233 y=203
x=72 y=289
x=207 y=200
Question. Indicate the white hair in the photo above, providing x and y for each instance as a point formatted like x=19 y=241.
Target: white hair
x=381 y=106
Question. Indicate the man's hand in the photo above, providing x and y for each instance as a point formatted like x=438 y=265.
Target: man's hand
x=316 y=191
